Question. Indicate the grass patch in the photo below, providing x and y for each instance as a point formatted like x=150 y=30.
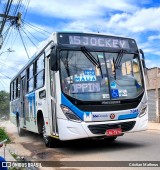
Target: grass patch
x=14 y=155
x=4 y=135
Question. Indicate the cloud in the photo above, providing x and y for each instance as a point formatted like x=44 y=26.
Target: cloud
x=141 y=20
x=120 y=5
x=154 y=37
x=79 y=9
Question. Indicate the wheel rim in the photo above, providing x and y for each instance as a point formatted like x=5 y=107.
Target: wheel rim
x=45 y=137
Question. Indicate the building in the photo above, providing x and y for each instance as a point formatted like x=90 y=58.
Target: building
x=153 y=90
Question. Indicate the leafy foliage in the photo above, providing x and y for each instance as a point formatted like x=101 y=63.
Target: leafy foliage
x=4 y=103
x=3 y=135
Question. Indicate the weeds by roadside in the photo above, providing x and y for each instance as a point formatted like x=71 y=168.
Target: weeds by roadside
x=4 y=135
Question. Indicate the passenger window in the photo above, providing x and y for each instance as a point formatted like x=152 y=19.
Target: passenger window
x=30 y=79
x=12 y=96
x=39 y=72
x=15 y=89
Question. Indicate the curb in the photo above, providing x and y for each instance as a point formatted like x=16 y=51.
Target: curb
x=153 y=126
x=5 y=153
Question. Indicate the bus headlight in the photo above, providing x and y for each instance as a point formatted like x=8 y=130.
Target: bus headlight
x=143 y=111
x=69 y=114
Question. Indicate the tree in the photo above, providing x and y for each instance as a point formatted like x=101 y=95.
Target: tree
x=4 y=103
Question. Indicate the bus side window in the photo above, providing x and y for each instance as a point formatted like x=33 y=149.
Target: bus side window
x=30 y=79
x=39 y=72
x=11 y=91
x=15 y=89
x=18 y=87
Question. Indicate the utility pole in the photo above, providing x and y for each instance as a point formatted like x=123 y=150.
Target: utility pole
x=8 y=16
x=15 y=20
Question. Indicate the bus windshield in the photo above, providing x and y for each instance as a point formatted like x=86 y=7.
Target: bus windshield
x=116 y=76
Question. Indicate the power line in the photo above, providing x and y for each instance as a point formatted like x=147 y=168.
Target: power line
x=8 y=6
x=12 y=44
x=7 y=37
x=31 y=34
x=37 y=28
x=4 y=19
x=23 y=44
x=26 y=9
x=5 y=75
x=17 y=7
x=15 y=17
x=29 y=38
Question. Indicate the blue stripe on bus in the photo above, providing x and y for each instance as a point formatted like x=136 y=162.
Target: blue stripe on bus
x=128 y=116
x=79 y=113
x=32 y=97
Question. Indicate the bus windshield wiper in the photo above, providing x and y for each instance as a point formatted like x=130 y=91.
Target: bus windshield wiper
x=117 y=62
x=91 y=58
x=118 y=59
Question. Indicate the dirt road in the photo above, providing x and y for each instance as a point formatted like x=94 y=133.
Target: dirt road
x=140 y=146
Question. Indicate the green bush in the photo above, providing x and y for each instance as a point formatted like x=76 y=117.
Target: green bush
x=3 y=135
x=4 y=104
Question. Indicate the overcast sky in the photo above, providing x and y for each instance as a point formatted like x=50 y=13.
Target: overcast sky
x=131 y=18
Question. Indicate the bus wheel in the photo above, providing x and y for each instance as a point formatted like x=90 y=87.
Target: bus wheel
x=19 y=129
x=48 y=140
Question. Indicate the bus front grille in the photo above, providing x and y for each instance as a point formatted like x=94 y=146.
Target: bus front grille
x=101 y=129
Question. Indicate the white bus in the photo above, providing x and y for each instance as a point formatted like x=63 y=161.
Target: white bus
x=81 y=85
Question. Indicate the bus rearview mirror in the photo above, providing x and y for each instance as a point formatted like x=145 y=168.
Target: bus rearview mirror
x=143 y=58
x=54 y=60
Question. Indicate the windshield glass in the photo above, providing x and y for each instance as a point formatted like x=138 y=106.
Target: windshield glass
x=83 y=80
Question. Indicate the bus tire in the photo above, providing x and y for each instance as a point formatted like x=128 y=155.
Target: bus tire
x=48 y=140
x=19 y=129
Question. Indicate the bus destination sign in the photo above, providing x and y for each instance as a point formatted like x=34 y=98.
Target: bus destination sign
x=98 y=41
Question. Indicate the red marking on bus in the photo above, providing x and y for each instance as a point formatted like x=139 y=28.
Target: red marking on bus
x=114 y=132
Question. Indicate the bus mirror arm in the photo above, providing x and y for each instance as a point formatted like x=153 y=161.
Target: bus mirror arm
x=143 y=61
x=54 y=60
x=143 y=58
x=144 y=64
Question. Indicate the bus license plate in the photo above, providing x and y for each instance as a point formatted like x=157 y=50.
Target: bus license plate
x=114 y=132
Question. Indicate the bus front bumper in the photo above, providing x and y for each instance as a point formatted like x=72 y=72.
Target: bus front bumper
x=69 y=130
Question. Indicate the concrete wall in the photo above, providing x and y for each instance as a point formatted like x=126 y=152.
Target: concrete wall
x=153 y=78
x=152 y=105
x=153 y=84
